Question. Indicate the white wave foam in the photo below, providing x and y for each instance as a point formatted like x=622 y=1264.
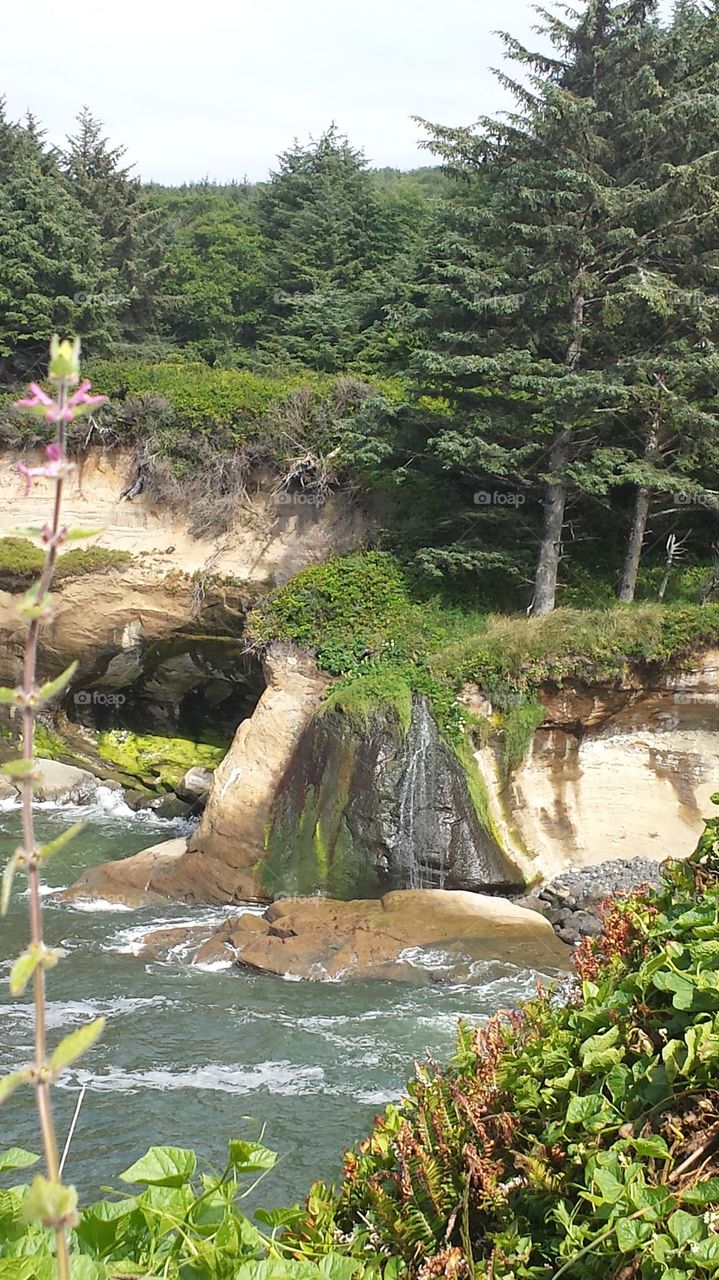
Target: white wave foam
x=271 y=1077
x=98 y=904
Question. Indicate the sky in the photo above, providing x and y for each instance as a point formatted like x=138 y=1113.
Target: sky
x=216 y=88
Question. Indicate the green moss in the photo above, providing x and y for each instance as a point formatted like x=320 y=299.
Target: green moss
x=513 y=655
x=20 y=561
x=156 y=760
x=87 y=560
x=518 y=728
x=382 y=693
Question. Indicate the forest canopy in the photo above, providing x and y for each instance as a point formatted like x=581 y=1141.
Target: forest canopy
x=541 y=298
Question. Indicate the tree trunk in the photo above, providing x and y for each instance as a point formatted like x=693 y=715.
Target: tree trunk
x=630 y=569
x=555 y=497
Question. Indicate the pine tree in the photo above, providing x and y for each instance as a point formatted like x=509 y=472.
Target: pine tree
x=50 y=259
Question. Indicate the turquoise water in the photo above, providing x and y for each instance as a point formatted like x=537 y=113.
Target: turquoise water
x=192 y=1057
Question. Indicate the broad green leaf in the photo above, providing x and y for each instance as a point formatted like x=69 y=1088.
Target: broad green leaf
x=580 y=1108
x=50 y=1203
x=52 y=687
x=250 y=1157
x=18 y=1269
x=632 y=1233
x=685 y=1227
x=654 y=1145
x=16 y=1158
x=8 y=876
x=705 y=1254
x=162 y=1167
x=18 y=768
x=54 y=846
x=8 y=696
x=165 y=1208
x=335 y=1266
x=277 y=1218
x=703 y=1193
x=73 y=1046
x=8 y=1084
x=277 y=1269
x=23 y=969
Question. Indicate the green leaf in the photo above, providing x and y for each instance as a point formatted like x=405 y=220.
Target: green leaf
x=73 y=1046
x=9 y=696
x=16 y=1158
x=162 y=1167
x=277 y=1218
x=50 y=1203
x=654 y=1145
x=17 y=1269
x=632 y=1233
x=250 y=1157
x=54 y=846
x=705 y=1254
x=77 y=532
x=8 y=1084
x=582 y=1108
x=18 y=768
x=23 y=969
x=685 y=1227
x=52 y=687
x=8 y=876
x=335 y=1266
x=703 y=1193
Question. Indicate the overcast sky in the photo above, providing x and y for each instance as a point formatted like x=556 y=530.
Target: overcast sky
x=197 y=88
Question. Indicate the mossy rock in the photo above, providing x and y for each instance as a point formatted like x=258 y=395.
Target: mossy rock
x=157 y=761
x=21 y=562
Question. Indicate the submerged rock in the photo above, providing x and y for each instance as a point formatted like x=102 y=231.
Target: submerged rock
x=321 y=939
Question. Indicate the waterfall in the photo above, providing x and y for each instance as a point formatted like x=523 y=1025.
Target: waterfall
x=416 y=804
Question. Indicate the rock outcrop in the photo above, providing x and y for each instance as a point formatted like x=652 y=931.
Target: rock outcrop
x=221 y=862
x=364 y=810
x=614 y=773
x=322 y=940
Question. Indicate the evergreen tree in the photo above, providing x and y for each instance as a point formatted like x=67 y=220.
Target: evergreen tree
x=50 y=258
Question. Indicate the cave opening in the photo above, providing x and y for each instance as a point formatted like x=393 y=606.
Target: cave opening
x=199 y=688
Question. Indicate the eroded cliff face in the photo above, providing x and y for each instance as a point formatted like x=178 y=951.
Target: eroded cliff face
x=272 y=541
x=361 y=811
x=305 y=802
x=614 y=772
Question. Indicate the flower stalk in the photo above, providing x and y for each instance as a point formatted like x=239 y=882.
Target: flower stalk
x=48 y=1200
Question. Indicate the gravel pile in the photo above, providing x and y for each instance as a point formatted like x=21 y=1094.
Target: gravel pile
x=572 y=901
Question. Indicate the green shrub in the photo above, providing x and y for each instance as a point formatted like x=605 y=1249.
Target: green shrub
x=576 y=1138
x=169 y=1219
x=86 y=560
x=20 y=561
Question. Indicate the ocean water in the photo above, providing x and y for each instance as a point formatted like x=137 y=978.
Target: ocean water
x=193 y=1056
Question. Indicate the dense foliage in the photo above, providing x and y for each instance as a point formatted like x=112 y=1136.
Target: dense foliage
x=578 y=1137
x=544 y=306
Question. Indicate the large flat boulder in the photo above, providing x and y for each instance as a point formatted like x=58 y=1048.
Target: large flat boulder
x=133 y=882
x=322 y=939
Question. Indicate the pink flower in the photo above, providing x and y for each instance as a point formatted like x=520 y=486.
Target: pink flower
x=81 y=402
x=56 y=467
x=38 y=402
x=78 y=404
